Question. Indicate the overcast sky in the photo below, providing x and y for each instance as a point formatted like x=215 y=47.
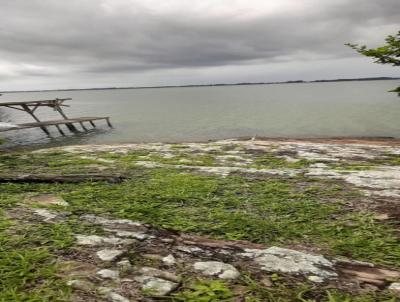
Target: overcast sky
x=46 y=44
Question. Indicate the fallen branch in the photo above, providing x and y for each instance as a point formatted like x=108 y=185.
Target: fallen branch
x=56 y=178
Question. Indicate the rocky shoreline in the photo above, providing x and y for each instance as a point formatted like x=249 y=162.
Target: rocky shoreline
x=330 y=211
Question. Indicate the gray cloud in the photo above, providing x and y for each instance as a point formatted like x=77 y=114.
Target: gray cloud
x=77 y=40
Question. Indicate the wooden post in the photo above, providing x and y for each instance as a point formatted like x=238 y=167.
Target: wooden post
x=27 y=109
x=108 y=122
x=93 y=124
x=83 y=126
x=59 y=130
x=57 y=107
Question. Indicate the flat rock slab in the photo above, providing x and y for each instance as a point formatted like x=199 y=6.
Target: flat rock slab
x=276 y=259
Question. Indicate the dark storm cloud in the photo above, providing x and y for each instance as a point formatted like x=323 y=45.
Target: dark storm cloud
x=46 y=38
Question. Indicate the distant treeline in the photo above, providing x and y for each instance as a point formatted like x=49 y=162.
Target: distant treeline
x=207 y=85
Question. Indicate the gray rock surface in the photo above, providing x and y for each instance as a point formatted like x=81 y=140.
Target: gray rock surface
x=114 y=297
x=108 y=274
x=156 y=286
x=81 y=285
x=215 y=268
x=394 y=288
x=169 y=260
x=283 y=260
x=46 y=215
x=94 y=240
x=108 y=254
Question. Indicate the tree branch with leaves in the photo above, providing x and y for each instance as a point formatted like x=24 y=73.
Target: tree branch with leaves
x=386 y=54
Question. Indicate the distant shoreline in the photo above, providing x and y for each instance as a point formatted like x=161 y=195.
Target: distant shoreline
x=211 y=85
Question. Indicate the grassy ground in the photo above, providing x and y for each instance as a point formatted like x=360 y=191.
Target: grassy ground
x=275 y=210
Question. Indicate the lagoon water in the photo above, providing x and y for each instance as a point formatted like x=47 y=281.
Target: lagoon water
x=336 y=109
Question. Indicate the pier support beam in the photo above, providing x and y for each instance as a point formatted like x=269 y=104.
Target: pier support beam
x=27 y=109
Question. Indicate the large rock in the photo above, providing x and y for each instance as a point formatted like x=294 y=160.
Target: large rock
x=283 y=260
x=215 y=268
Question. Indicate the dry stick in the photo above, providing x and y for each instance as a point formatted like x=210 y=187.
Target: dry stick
x=56 y=178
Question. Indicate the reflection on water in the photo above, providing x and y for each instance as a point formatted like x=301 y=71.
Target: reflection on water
x=206 y=113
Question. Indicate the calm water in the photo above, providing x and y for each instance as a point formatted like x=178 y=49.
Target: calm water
x=205 y=113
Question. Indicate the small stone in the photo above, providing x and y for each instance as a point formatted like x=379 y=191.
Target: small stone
x=89 y=240
x=382 y=216
x=117 y=241
x=156 y=286
x=266 y=282
x=114 y=297
x=108 y=255
x=108 y=222
x=124 y=265
x=169 y=260
x=154 y=272
x=136 y=235
x=47 y=199
x=395 y=288
x=167 y=240
x=215 y=268
x=81 y=285
x=46 y=214
x=102 y=290
x=108 y=274
x=189 y=250
x=315 y=279
x=94 y=240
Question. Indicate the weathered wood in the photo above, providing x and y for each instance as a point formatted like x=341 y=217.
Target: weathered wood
x=31 y=106
x=49 y=103
x=108 y=122
x=83 y=126
x=57 y=178
x=57 y=107
x=54 y=123
x=29 y=111
x=60 y=130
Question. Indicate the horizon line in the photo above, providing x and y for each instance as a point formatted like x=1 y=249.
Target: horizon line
x=210 y=85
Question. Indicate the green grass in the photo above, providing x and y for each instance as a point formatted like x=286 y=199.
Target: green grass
x=27 y=265
x=272 y=161
x=204 y=290
x=261 y=209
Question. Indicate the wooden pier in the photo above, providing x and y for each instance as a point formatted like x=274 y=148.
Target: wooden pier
x=30 y=107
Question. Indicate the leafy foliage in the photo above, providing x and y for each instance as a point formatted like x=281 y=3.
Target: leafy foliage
x=206 y=291
x=386 y=54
